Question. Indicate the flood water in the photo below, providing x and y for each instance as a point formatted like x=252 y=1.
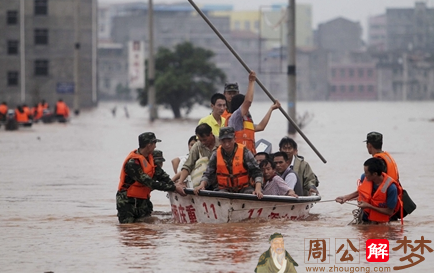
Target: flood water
x=58 y=185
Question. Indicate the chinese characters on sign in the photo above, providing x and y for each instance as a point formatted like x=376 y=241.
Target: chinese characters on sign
x=136 y=64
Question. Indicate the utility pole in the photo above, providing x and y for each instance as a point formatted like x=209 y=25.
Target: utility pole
x=22 y=51
x=404 y=76
x=76 y=57
x=151 y=64
x=292 y=86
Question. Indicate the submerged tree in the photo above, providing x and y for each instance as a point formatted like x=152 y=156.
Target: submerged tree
x=184 y=77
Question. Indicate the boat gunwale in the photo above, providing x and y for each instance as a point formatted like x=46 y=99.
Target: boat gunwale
x=252 y=197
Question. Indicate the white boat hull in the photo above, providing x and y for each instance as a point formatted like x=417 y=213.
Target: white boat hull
x=219 y=207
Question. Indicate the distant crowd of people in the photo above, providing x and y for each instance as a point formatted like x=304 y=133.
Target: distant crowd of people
x=26 y=116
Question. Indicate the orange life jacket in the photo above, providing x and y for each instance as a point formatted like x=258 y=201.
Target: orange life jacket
x=392 y=168
x=38 y=112
x=246 y=136
x=239 y=178
x=226 y=115
x=3 y=109
x=21 y=117
x=27 y=111
x=62 y=109
x=379 y=198
x=138 y=190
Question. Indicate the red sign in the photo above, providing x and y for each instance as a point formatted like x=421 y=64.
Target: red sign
x=377 y=250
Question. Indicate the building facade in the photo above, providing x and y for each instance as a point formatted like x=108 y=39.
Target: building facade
x=339 y=34
x=37 y=48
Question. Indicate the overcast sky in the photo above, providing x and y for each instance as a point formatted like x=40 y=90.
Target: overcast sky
x=322 y=10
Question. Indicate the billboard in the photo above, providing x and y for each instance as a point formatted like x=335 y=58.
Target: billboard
x=136 y=64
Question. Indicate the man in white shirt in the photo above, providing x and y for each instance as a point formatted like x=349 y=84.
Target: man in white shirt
x=283 y=168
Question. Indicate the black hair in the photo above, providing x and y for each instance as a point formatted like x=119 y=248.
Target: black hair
x=236 y=102
x=267 y=161
x=267 y=156
x=375 y=165
x=282 y=154
x=191 y=139
x=217 y=96
x=203 y=130
x=287 y=141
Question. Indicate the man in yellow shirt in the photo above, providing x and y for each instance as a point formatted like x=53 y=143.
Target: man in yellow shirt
x=215 y=119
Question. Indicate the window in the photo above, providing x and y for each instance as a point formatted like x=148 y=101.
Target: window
x=12 y=47
x=237 y=25
x=12 y=78
x=333 y=88
x=41 y=7
x=351 y=72
x=12 y=17
x=41 y=36
x=351 y=88
x=370 y=88
x=361 y=88
x=246 y=25
x=342 y=88
x=342 y=72
x=334 y=73
x=256 y=25
x=370 y=72
x=41 y=68
x=361 y=72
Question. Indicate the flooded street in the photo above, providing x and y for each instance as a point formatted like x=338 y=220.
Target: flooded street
x=59 y=181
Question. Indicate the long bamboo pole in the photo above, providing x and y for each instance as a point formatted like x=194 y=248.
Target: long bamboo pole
x=257 y=80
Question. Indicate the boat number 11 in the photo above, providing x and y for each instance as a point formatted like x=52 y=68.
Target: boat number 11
x=212 y=207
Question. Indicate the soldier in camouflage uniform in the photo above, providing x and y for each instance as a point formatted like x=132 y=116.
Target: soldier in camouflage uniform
x=158 y=158
x=139 y=176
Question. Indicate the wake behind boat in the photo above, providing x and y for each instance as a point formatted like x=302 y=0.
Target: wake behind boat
x=224 y=207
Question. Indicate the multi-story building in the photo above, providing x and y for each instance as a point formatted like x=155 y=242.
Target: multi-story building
x=271 y=23
x=405 y=76
x=37 y=45
x=174 y=24
x=339 y=34
x=410 y=28
x=113 y=71
x=377 y=31
x=353 y=81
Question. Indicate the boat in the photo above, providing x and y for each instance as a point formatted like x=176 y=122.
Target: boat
x=225 y=207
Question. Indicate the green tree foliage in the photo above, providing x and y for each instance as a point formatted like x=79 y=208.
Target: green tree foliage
x=183 y=77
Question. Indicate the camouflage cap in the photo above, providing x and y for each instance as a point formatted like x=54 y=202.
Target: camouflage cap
x=231 y=87
x=274 y=236
x=147 y=138
x=227 y=132
x=158 y=156
x=374 y=137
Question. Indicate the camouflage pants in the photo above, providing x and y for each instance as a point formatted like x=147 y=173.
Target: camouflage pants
x=130 y=209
